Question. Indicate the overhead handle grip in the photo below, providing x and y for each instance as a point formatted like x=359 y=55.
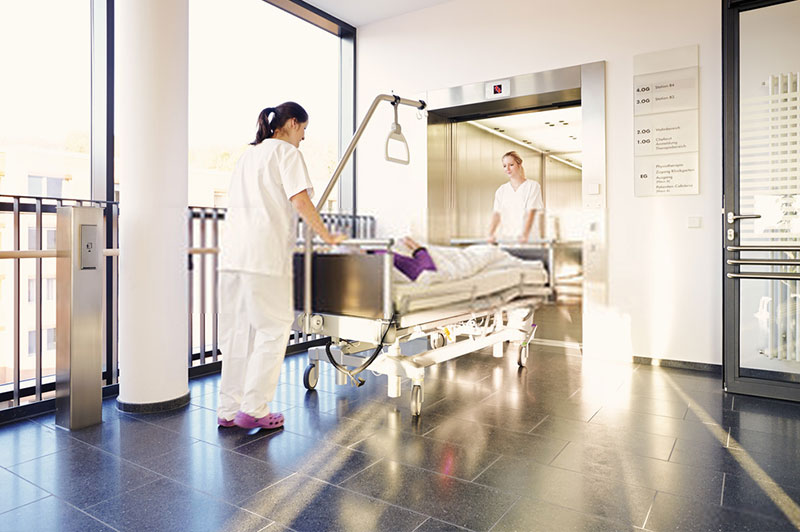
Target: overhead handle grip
x=396 y=134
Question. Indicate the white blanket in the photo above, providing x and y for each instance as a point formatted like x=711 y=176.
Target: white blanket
x=459 y=263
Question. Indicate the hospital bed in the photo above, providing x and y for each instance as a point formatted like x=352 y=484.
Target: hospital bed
x=368 y=314
x=353 y=299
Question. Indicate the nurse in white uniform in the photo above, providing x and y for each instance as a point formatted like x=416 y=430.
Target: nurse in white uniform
x=516 y=203
x=269 y=187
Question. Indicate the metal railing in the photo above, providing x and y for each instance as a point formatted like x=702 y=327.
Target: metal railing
x=27 y=216
x=31 y=212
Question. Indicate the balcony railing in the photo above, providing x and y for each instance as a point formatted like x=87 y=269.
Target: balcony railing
x=27 y=361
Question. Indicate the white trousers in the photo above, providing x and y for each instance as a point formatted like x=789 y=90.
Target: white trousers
x=255 y=320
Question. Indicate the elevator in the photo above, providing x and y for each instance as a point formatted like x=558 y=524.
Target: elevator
x=544 y=119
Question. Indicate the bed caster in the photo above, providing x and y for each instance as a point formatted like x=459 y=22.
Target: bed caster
x=311 y=376
x=437 y=340
x=522 y=356
x=416 y=400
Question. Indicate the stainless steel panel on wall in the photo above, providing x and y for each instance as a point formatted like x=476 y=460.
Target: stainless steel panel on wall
x=440 y=161
x=79 y=318
x=527 y=91
x=563 y=200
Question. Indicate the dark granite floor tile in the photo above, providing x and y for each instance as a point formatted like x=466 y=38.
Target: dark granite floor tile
x=758 y=496
x=167 y=506
x=201 y=424
x=769 y=467
x=305 y=504
x=209 y=400
x=83 y=475
x=25 y=440
x=437 y=388
x=298 y=395
x=768 y=407
x=484 y=439
x=538 y=516
x=700 y=484
x=394 y=416
x=227 y=475
x=639 y=443
x=326 y=427
x=439 y=456
x=701 y=414
x=544 y=402
x=321 y=460
x=16 y=491
x=434 y=525
x=665 y=426
x=671 y=513
x=772 y=423
x=488 y=414
x=132 y=439
x=649 y=405
x=50 y=515
x=156 y=417
x=784 y=446
x=204 y=385
x=684 y=380
x=591 y=495
x=445 y=498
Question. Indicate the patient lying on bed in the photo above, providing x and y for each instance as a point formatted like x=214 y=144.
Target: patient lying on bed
x=434 y=264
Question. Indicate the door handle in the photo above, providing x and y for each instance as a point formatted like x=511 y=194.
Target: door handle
x=733 y=217
x=776 y=249
x=765 y=275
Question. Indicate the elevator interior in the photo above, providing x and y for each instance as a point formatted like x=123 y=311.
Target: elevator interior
x=465 y=170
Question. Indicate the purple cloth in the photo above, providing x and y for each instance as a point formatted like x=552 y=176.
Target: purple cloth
x=413 y=266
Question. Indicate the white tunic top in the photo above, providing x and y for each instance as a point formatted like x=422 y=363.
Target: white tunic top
x=260 y=227
x=513 y=205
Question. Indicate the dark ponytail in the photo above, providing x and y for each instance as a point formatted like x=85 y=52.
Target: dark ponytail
x=280 y=115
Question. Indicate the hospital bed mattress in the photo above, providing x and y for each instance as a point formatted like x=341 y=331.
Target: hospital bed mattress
x=352 y=285
x=412 y=297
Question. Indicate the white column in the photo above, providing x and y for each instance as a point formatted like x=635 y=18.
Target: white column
x=151 y=84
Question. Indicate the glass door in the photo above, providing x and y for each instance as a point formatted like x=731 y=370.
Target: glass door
x=761 y=227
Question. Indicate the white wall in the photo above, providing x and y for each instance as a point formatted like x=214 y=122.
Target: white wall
x=664 y=292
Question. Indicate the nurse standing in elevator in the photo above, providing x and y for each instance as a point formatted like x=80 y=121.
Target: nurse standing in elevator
x=270 y=186
x=516 y=203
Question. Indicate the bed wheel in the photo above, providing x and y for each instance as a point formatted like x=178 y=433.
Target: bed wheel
x=437 y=340
x=416 y=400
x=522 y=357
x=311 y=376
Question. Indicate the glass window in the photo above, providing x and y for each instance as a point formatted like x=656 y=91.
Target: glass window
x=31 y=238
x=44 y=130
x=51 y=339
x=31 y=342
x=232 y=77
x=35 y=185
x=51 y=289
x=31 y=290
x=50 y=238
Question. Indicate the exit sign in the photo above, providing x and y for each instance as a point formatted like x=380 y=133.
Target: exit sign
x=498 y=89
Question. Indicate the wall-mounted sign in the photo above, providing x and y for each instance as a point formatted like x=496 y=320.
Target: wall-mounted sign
x=666 y=116
x=497 y=89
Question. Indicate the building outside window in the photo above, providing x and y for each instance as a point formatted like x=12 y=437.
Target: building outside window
x=232 y=77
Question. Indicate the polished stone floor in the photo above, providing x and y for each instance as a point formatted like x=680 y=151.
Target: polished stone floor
x=566 y=444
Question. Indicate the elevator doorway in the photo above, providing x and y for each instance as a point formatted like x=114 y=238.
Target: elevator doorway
x=544 y=121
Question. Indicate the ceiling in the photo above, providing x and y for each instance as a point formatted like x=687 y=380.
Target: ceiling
x=360 y=13
x=556 y=131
